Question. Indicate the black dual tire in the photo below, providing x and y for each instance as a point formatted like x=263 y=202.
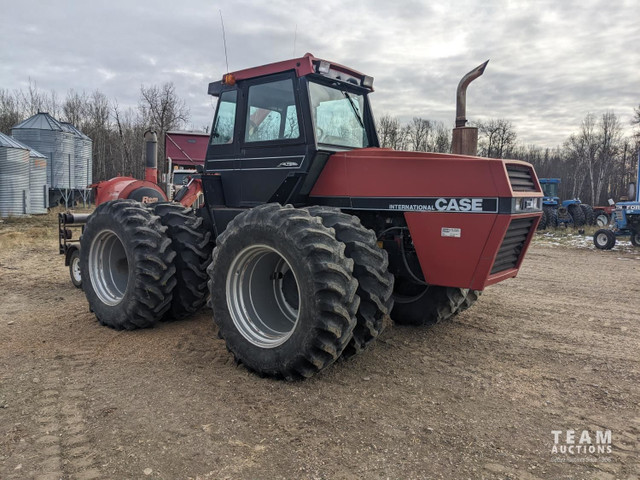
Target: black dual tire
x=416 y=304
x=127 y=263
x=589 y=214
x=544 y=220
x=604 y=239
x=552 y=217
x=577 y=214
x=471 y=298
x=375 y=283
x=193 y=246
x=301 y=329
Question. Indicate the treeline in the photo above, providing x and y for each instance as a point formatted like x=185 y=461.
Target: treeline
x=595 y=163
x=117 y=132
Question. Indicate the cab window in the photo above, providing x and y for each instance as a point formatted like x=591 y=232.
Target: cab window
x=223 y=124
x=272 y=113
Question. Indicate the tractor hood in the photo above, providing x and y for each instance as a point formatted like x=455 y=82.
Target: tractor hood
x=470 y=219
x=381 y=172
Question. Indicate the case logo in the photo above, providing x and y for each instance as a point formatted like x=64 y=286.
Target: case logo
x=444 y=204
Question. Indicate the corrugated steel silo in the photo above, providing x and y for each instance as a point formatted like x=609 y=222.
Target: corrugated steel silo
x=38 y=188
x=83 y=144
x=14 y=177
x=68 y=164
x=45 y=134
x=88 y=156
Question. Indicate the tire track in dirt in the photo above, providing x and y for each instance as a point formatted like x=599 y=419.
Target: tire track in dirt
x=63 y=445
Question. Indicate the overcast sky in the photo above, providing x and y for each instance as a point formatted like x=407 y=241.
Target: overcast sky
x=551 y=62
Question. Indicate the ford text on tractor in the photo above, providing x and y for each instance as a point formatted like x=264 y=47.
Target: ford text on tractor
x=319 y=233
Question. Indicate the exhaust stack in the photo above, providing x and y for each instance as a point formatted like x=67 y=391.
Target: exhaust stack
x=465 y=139
x=151 y=156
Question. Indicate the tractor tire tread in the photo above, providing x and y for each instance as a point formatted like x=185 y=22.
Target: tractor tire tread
x=577 y=214
x=334 y=288
x=375 y=282
x=193 y=246
x=152 y=256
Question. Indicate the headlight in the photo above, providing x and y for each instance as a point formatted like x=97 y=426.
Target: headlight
x=521 y=205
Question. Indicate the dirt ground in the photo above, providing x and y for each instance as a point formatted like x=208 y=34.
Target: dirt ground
x=555 y=349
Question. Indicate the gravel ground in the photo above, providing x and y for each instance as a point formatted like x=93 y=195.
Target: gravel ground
x=478 y=397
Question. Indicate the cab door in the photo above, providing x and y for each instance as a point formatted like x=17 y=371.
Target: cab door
x=272 y=148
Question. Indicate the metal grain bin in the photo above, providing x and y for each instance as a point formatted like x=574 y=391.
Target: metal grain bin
x=38 y=188
x=82 y=171
x=14 y=177
x=68 y=164
x=45 y=134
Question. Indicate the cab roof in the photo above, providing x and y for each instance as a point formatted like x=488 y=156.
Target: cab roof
x=305 y=65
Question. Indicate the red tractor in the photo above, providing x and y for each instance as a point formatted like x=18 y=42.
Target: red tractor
x=319 y=233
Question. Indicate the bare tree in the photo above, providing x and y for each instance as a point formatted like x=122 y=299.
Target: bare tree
x=10 y=111
x=497 y=138
x=441 y=138
x=610 y=137
x=162 y=110
x=74 y=108
x=419 y=131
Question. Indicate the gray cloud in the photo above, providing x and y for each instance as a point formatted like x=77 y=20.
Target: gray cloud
x=551 y=62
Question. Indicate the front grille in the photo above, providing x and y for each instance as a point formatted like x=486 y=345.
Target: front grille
x=520 y=178
x=512 y=244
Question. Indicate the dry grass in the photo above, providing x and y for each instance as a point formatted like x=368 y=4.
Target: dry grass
x=31 y=230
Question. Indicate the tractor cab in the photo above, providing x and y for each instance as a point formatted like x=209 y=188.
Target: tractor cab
x=550 y=189
x=275 y=126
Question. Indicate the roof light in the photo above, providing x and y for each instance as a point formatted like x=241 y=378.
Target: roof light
x=367 y=81
x=229 y=79
x=324 y=67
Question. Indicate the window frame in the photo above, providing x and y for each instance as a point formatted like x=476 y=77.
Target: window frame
x=367 y=113
x=246 y=107
x=216 y=116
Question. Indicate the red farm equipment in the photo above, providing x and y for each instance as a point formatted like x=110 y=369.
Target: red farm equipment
x=145 y=191
x=319 y=233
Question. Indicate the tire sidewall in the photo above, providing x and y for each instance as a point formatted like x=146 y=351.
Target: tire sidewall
x=109 y=314
x=264 y=359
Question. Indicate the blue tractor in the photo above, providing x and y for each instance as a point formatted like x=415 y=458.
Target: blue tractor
x=624 y=221
x=567 y=212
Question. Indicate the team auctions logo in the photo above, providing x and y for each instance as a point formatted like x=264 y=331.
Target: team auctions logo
x=581 y=446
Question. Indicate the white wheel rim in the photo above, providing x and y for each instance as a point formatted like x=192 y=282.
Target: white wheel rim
x=108 y=267
x=262 y=300
x=75 y=269
x=602 y=239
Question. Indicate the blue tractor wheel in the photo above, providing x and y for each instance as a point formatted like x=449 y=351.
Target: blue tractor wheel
x=544 y=221
x=589 y=214
x=553 y=217
x=604 y=239
x=577 y=214
x=549 y=216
